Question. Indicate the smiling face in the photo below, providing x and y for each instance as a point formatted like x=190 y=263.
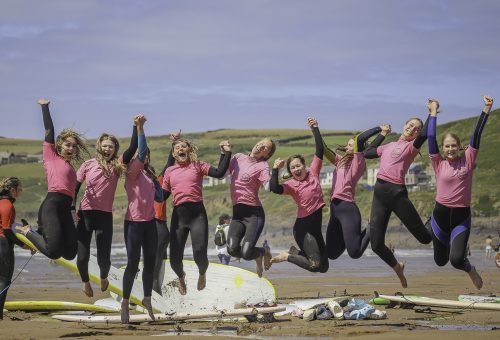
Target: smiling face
x=297 y=168
x=451 y=147
x=412 y=129
x=69 y=148
x=181 y=151
x=107 y=149
x=349 y=148
x=262 y=149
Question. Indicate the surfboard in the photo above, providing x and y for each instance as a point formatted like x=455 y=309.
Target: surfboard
x=137 y=318
x=425 y=301
x=55 y=306
x=115 y=277
x=479 y=298
x=226 y=286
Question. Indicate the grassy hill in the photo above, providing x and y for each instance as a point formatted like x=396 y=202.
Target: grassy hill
x=280 y=211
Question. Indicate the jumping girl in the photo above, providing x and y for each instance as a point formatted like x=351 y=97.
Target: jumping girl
x=248 y=174
x=344 y=228
x=390 y=194
x=184 y=180
x=451 y=217
x=305 y=189
x=56 y=235
x=101 y=176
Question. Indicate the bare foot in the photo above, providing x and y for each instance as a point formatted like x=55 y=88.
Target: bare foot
x=293 y=251
x=104 y=284
x=146 y=302
x=267 y=258
x=23 y=229
x=399 y=269
x=476 y=278
x=182 y=285
x=259 y=269
x=282 y=257
x=87 y=289
x=124 y=313
x=202 y=281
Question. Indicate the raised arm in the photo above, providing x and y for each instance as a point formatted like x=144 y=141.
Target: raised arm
x=47 y=121
x=171 y=160
x=221 y=169
x=274 y=185
x=361 y=139
x=318 y=140
x=422 y=137
x=132 y=148
x=142 y=145
x=433 y=106
x=478 y=130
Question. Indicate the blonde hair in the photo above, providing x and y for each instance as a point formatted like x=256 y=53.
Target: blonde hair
x=455 y=137
x=116 y=165
x=193 y=149
x=80 y=143
x=7 y=184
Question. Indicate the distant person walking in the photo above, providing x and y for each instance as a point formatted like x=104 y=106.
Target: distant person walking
x=221 y=244
x=488 y=247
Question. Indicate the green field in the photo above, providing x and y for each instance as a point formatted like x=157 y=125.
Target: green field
x=280 y=211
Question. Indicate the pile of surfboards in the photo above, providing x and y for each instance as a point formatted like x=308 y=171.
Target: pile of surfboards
x=226 y=288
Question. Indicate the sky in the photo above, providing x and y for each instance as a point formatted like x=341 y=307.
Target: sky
x=205 y=65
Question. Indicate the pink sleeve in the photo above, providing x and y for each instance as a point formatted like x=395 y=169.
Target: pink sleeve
x=134 y=167
x=316 y=166
x=80 y=174
x=287 y=189
x=203 y=168
x=166 y=181
x=470 y=157
x=264 y=176
x=435 y=160
x=49 y=151
x=231 y=164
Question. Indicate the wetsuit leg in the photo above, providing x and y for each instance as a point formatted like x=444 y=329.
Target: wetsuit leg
x=235 y=235
x=199 y=236
x=163 y=236
x=57 y=236
x=440 y=222
x=84 y=236
x=349 y=216
x=133 y=242
x=379 y=219
x=149 y=247
x=405 y=210
x=179 y=231
x=6 y=269
x=103 y=240
x=461 y=219
x=335 y=244
x=253 y=218
x=307 y=234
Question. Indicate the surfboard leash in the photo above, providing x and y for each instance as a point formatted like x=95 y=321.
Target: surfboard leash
x=20 y=271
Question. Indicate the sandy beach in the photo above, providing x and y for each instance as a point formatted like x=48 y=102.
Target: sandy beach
x=359 y=278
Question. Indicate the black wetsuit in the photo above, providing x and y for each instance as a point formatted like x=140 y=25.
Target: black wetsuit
x=344 y=228
x=307 y=230
x=100 y=223
x=191 y=217
x=390 y=197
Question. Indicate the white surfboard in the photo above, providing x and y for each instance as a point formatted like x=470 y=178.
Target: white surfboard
x=115 y=278
x=136 y=318
x=479 y=298
x=55 y=306
x=425 y=301
x=226 y=287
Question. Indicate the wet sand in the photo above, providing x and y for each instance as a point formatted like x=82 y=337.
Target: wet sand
x=438 y=282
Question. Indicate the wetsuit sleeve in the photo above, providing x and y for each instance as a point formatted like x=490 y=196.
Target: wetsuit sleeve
x=142 y=147
x=476 y=135
x=274 y=185
x=361 y=139
x=371 y=150
x=159 y=195
x=328 y=153
x=9 y=234
x=77 y=189
x=48 y=124
x=132 y=148
x=431 y=134
x=420 y=140
x=221 y=170
x=318 y=140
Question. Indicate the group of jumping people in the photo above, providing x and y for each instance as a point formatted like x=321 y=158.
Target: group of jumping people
x=145 y=225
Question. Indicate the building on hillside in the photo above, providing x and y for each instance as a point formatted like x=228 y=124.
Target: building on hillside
x=417 y=178
x=11 y=158
x=6 y=158
x=326 y=176
x=210 y=181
